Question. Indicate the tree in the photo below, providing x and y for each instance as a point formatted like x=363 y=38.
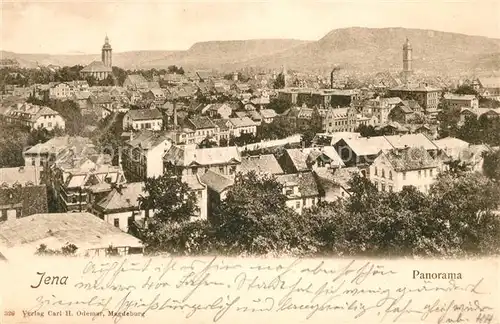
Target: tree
x=465 y=90
x=491 y=165
x=171 y=199
x=207 y=142
x=254 y=217
x=279 y=105
x=448 y=119
x=279 y=83
x=367 y=131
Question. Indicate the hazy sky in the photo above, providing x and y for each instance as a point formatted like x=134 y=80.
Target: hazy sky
x=68 y=26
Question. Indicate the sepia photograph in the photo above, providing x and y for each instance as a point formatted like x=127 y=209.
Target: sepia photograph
x=245 y=161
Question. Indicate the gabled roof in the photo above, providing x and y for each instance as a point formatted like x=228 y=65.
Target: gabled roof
x=147 y=139
x=24 y=175
x=185 y=156
x=268 y=113
x=123 y=197
x=96 y=66
x=136 y=79
x=303 y=157
x=409 y=159
x=450 y=143
x=201 y=122
x=411 y=140
x=306 y=182
x=216 y=181
x=144 y=114
x=84 y=230
x=368 y=145
x=265 y=163
x=242 y=122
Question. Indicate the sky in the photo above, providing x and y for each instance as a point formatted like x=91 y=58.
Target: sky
x=74 y=26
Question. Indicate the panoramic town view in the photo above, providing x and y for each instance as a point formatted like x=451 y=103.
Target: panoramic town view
x=364 y=142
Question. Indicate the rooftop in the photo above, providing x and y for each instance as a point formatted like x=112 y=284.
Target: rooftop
x=84 y=230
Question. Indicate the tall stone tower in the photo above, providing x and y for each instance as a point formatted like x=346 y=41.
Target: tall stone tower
x=407 y=58
x=106 y=54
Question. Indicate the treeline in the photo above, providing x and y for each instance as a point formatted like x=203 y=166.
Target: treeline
x=455 y=219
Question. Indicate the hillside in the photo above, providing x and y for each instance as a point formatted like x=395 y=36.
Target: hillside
x=381 y=49
x=369 y=49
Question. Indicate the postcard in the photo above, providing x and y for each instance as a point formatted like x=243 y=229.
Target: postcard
x=241 y=162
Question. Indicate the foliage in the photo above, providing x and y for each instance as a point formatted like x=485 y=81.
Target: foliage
x=279 y=105
x=491 y=165
x=13 y=141
x=171 y=199
x=466 y=89
x=68 y=110
x=174 y=69
x=254 y=217
x=108 y=135
x=67 y=250
x=279 y=83
x=207 y=142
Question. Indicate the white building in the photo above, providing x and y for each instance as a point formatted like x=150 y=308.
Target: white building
x=458 y=101
x=139 y=119
x=394 y=169
x=33 y=117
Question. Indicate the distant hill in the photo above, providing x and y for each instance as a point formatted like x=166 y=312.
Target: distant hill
x=369 y=49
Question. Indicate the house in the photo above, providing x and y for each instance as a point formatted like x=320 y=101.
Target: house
x=380 y=108
x=491 y=86
x=458 y=149
x=82 y=99
x=217 y=110
x=240 y=126
x=21 y=192
x=426 y=96
x=91 y=235
x=392 y=128
x=458 y=101
x=490 y=113
x=156 y=95
x=396 y=168
x=253 y=115
x=340 y=120
x=223 y=127
x=45 y=154
x=203 y=127
x=142 y=155
x=217 y=187
x=404 y=112
x=135 y=82
x=300 y=189
x=188 y=160
x=71 y=175
x=102 y=100
x=360 y=152
x=268 y=115
x=139 y=119
x=261 y=164
x=60 y=90
x=33 y=117
x=309 y=159
x=334 y=184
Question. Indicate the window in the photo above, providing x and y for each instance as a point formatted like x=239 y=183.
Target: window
x=390 y=189
x=289 y=191
x=383 y=187
x=194 y=170
x=232 y=170
x=390 y=175
x=419 y=174
x=297 y=204
x=376 y=171
x=404 y=175
x=425 y=173
x=383 y=173
x=430 y=172
x=33 y=161
x=221 y=170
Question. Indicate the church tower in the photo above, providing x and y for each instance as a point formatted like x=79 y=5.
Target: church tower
x=407 y=58
x=106 y=53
